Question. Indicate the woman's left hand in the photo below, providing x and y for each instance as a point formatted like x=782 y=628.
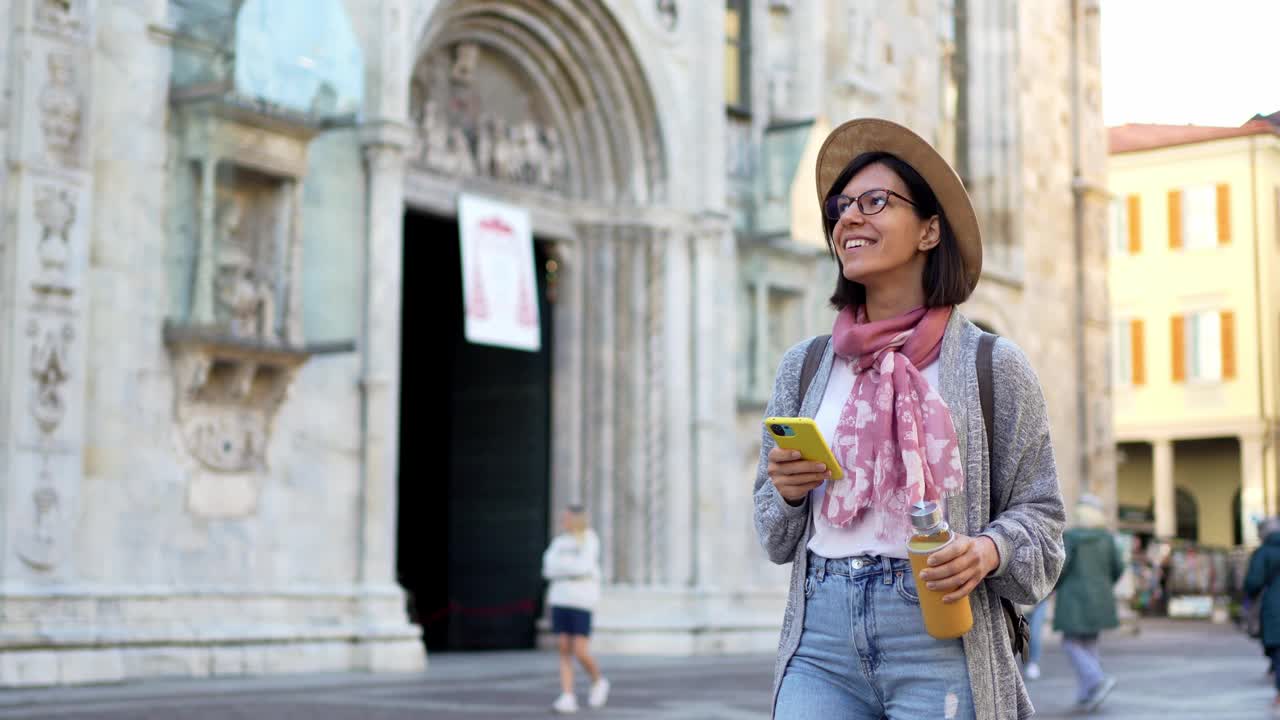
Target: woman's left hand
x=961 y=565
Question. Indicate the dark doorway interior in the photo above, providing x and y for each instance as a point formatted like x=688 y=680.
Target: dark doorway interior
x=474 y=472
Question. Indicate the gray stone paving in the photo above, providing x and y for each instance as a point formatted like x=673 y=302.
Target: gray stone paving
x=1169 y=670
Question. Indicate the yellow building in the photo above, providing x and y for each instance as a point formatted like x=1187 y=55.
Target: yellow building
x=1195 y=300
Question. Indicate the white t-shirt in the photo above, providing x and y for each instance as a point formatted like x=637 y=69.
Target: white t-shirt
x=859 y=537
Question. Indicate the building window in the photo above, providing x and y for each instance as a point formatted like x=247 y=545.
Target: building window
x=1122 y=360
x=737 y=56
x=1129 y=361
x=786 y=324
x=1204 y=346
x=1120 y=227
x=1200 y=216
x=772 y=321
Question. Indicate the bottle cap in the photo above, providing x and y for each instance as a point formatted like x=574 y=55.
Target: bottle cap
x=926 y=516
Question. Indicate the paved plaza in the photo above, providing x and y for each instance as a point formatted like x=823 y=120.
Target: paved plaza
x=1168 y=670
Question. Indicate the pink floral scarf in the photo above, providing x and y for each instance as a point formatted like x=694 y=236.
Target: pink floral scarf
x=895 y=440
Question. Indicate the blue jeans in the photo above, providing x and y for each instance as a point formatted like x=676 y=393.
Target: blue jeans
x=1036 y=621
x=1274 y=654
x=864 y=652
x=1082 y=651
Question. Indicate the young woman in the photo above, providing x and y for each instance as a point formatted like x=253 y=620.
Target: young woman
x=896 y=395
x=572 y=564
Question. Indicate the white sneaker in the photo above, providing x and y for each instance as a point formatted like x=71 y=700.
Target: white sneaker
x=599 y=693
x=566 y=704
x=1031 y=671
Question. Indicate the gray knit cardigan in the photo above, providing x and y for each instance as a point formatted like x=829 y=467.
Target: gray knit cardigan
x=1028 y=534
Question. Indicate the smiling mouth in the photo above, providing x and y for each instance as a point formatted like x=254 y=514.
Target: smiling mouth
x=855 y=243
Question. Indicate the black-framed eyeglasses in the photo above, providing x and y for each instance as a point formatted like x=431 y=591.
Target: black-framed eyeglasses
x=869 y=202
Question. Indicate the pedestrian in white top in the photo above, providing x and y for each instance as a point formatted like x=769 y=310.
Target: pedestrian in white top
x=572 y=565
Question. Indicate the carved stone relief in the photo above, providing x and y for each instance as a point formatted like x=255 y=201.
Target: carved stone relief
x=39 y=540
x=60 y=16
x=668 y=14
x=245 y=286
x=51 y=212
x=474 y=117
x=61 y=111
x=237 y=351
x=38 y=545
x=49 y=371
x=55 y=211
x=225 y=402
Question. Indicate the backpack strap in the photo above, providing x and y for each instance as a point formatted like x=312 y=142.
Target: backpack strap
x=812 y=359
x=986 y=394
x=1015 y=624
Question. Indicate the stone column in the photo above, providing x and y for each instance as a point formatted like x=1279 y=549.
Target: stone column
x=567 y=377
x=632 y=428
x=1270 y=451
x=1252 y=502
x=292 y=316
x=599 y=246
x=759 y=380
x=383 y=146
x=723 y=504
x=1165 y=494
x=202 y=292
x=393 y=644
x=43 y=323
x=677 y=383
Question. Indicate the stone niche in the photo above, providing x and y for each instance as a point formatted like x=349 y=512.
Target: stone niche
x=245 y=111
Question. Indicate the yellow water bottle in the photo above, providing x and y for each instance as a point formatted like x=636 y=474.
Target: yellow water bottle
x=942 y=621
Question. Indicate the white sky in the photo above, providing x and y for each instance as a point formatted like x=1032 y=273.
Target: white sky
x=1202 y=62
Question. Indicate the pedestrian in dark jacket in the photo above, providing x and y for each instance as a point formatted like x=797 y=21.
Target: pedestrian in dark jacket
x=1085 y=604
x=1264 y=568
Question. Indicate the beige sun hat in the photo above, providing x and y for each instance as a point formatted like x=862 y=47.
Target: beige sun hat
x=865 y=135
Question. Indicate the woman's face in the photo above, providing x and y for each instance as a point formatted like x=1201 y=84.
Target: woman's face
x=889 y=246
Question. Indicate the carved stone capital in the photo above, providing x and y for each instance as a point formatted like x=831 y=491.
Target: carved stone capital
x=386 y=133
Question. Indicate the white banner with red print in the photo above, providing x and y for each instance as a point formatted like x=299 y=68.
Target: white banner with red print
x=499 y=285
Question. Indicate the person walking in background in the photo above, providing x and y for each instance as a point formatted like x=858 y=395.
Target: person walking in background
x=1264 y=568
x=1085 y=603
x=572 y=565
x=1035 y=622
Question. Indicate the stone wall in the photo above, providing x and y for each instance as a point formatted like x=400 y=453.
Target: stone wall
x=115 y=568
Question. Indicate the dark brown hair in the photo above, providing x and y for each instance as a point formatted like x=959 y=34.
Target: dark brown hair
x=944 y=279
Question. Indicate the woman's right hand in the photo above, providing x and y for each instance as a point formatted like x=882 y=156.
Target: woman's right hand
x=793 y=476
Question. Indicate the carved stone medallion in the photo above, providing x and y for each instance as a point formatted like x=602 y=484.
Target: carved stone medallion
x=38 y=545
x=224 y=440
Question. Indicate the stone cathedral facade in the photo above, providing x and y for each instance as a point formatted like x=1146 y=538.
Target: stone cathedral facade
x=240 y=431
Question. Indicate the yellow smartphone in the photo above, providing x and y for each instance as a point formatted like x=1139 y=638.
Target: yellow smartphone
x=801 y=433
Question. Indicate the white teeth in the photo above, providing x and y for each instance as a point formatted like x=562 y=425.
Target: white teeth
x=856 y=244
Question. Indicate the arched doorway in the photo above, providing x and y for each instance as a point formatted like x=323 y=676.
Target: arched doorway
x=540 y=106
